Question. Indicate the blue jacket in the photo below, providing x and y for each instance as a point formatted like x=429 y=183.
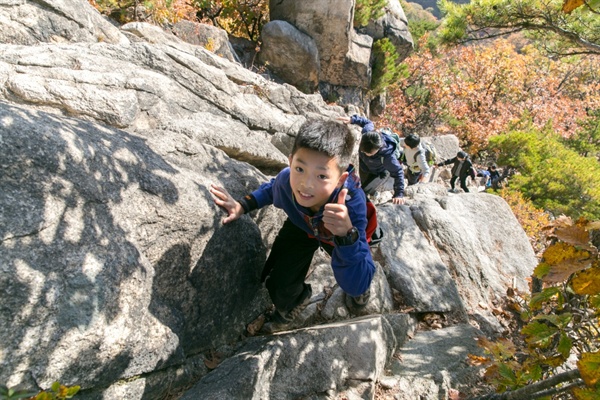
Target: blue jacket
x=352 y=265
x=383 y=160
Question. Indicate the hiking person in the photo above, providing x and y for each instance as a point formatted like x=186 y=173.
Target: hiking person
x=417 y=170
x=462 y=168
x=495 y=177
x=325 y=206
x=378 y=159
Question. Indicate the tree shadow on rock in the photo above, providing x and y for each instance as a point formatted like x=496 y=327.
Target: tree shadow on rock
x=66 y=263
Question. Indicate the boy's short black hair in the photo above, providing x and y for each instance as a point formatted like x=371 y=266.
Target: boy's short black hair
x=461 y=154
x=412 y=140
x=370 y=141
x=329 y=137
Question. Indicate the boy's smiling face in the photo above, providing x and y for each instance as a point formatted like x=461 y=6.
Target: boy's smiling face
x=313 y=178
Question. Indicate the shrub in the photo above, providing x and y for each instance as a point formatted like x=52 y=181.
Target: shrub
x=553 y=176
x=386 y=70
x=368 y=10
x=560 y=321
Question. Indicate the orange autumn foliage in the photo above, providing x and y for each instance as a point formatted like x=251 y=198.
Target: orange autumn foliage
x=476 y=92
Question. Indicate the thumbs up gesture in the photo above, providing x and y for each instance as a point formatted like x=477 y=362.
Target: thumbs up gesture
x=335 y=215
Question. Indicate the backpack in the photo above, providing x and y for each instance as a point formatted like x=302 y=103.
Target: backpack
x=430 y=153
x=373 y=230
x=396 y=138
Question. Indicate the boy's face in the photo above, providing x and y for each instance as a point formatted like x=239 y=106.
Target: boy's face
x=313 y=178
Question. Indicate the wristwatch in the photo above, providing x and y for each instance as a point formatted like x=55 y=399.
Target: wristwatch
x=350 y=238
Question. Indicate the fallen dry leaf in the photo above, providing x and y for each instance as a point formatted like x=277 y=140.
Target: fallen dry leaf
x=254 y=326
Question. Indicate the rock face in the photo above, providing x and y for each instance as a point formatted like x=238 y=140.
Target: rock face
x=208 y=36
x=116 y=272
x=298 y=64
x=394 y=26
x=343 y=52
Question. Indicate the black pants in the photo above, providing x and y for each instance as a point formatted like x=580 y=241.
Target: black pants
x=463 y=183
x=412 y=177
x=288 y=264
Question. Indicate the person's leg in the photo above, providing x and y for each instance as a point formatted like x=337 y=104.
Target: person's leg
x=452 y=181
x=366 y=182
x=412 y=177
x=379 y=185
x=287 y=266
x=463 y=184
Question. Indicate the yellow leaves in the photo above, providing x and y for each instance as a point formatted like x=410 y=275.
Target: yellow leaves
x=572 y=254
x=560 y=261
x=587 y=282
x=477 y=360
x=589 y=367
x=570 y=5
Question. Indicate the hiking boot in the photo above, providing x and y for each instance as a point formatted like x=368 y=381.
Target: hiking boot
x=362 y=300
x=285 y=321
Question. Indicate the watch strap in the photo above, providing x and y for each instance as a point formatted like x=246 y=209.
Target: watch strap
x=350 y=238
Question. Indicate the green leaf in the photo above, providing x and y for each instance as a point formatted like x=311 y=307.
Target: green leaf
x=541 y=270
x=565 y=344
x=55 y=386
x=72 y=391
x=545 y=295
x=561 y=321
x=507 y=374
x=538 y=334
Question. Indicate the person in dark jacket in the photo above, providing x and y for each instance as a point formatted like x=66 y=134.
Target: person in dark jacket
x=377 y=162
x=326 y=208
x=495 y=177
x=462 y=168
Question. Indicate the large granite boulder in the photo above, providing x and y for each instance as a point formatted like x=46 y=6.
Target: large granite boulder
x=290 y=54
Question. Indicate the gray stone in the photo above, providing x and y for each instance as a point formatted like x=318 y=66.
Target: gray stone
x=290 y=54
x=210 y=37
x=413 y=266
x=322 y=358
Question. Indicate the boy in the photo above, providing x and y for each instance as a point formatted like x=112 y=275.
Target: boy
x=414 y=155
x=321 y=195
x=461 y=169
x=377 y=162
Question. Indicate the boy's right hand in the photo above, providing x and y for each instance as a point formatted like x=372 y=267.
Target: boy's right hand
x=223 y=199
x=345 y=120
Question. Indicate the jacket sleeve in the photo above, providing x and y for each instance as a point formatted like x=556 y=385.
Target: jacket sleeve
x=352 y=265
x=448 y=161
x=471 y=170
x=264 y=194
x=365 y=123
x=392 y=164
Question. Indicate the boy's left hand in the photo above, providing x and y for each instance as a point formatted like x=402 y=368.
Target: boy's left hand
x=335 y=216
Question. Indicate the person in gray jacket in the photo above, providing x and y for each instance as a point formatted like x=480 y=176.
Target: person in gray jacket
x=414 y=156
